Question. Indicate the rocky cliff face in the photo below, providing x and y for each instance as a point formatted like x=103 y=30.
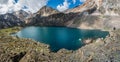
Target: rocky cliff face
x=13 y=19
x=110 y=7
x=44 y=12
x=58 y=19
x=106 y=7
x=97 y=14
x=47 y=16
x=10 y=20
x=89 y=4
x=22 y=15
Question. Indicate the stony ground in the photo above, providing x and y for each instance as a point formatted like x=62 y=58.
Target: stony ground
x=14 y=49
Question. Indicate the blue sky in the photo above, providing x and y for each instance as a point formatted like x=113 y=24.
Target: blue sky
x=34 y=5
x=55 y=3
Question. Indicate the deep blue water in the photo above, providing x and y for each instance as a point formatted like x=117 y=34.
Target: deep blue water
x=60 y=37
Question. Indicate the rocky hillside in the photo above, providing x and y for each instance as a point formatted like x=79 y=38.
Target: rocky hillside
x=10 y=20
x=96 y=14
x=106 y=7
x=93 y=14
x=58 y=19
x=89 y=4
x=22 y=15
x=110 y=7
x=48 y=16
x=13 y=19
x=14 y=49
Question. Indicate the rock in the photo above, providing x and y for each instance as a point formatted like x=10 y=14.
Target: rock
x=18 y=57
x=29 y=56
x=99 y=40
x=87 y=41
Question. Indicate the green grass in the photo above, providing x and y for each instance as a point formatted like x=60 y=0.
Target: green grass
x=12 y=44
x=8 y=31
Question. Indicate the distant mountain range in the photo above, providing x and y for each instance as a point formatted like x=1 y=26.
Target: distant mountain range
x=88 y=15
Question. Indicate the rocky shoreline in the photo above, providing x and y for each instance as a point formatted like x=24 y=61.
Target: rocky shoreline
x=14 y=49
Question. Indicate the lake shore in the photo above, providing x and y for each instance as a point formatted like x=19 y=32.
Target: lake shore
x=25 y=50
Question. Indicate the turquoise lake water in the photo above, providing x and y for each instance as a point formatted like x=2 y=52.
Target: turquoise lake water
x=60 y=37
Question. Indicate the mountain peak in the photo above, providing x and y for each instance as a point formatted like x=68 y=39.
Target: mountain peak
x=106 y=7
x=88 y=4
x=46 y=11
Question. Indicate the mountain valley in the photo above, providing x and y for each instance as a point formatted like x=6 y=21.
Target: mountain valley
x=103 y=15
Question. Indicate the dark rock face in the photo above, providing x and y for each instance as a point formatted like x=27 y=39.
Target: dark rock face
x=10 y=20
x=13 y=19
x=58 y=19
x=21 y=17
x=18 y=57
x=47 y=16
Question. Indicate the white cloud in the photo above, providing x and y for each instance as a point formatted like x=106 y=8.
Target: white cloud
x=3 y=1
x=6 y=6
x=82 y=0
x=10 y=5
x=74 y=1
x=3 y=9
x=64 y=6
x=33 y=5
